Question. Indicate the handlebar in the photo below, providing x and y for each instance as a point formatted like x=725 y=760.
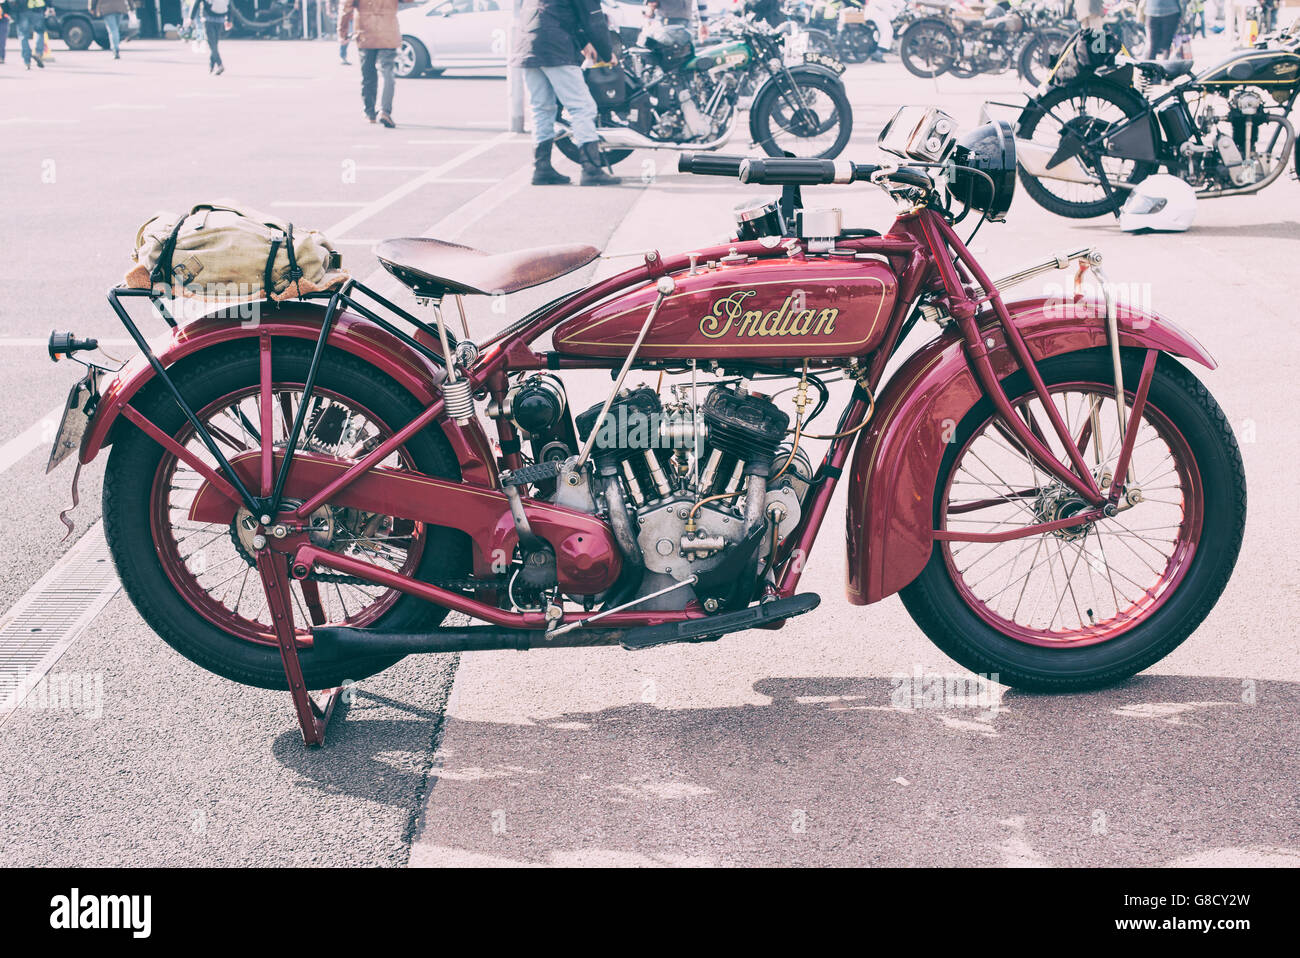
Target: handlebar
x=798 y=171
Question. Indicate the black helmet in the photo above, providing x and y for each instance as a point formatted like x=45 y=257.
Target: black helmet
x=991 y=149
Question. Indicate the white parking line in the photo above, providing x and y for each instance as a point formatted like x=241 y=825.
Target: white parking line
x=39 y=433
x=7 y=341
x=406 y=189
x=343 y=203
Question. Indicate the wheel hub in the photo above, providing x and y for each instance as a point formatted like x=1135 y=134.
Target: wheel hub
x=1058 y=502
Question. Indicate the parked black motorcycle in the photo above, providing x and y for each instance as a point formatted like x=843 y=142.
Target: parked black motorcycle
x=664 y=94
x=1226 y=131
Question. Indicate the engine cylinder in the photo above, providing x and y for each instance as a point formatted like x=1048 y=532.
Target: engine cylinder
x=744 y=425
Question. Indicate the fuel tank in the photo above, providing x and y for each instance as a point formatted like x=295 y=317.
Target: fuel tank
x=766 y=309
x=1277 y=71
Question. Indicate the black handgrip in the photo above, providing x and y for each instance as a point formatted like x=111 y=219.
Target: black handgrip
x=793 y=171
x=709 y=164
x=803 y=171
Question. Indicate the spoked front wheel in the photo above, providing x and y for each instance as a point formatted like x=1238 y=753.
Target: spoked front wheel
x=811 y=119
x=1086 y=605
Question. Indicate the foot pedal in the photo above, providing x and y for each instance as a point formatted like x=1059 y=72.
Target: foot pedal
x=531 y=475
x=699 y=630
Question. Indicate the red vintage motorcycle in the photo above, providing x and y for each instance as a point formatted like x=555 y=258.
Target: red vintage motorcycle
x=302 y=502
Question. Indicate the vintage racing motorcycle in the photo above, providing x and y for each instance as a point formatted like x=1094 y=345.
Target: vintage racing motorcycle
x=302 y=501
x=1226 y=130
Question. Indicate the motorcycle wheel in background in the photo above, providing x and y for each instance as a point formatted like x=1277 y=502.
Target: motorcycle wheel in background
x=1085 y=606
x=569 y=150
x=196 y=584
x=928 y=48
x=1088 y=110
x=1038 y=58
x=819 y=126
x=857 y=42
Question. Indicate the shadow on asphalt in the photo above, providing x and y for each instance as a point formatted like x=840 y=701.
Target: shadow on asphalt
x=1162 y=769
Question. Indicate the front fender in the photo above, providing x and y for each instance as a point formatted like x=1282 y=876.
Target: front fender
x=896 y=464
x=351 y=334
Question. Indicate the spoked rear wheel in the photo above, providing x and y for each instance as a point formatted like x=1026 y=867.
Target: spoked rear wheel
x=1089 y=111
x=928 y=48
x=196 y=583
x=1092 y=604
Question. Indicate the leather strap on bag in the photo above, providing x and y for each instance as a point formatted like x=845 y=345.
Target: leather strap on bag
x=162 y=271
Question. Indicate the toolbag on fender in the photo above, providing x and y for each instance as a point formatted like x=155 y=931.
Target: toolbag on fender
x=225 y=254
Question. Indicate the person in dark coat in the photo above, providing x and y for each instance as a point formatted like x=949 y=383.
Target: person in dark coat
x=551 y=37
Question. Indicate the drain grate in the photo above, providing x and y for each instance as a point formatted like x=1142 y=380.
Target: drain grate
x=47 y=620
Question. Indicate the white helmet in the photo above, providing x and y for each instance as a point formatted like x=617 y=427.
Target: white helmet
x=1160 y=202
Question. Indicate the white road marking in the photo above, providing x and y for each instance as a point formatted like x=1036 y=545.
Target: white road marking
x=7 y=341
x=445 y=142
x=331 y=203
x=38 y=434
x=128 y=106
x=406 y=189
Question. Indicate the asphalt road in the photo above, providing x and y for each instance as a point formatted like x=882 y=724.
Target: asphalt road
x=763 y=748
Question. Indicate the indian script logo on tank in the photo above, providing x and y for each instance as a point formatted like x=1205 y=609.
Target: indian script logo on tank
x=729 y=315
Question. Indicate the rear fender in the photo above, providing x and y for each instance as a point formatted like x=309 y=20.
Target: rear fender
x=896 y=464
x=351 y=334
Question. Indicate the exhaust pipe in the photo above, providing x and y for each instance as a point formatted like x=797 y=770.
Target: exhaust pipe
x=364 y=643
x=621 y=138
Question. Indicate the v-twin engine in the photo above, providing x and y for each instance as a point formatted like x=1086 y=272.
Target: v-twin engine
x=706 y=490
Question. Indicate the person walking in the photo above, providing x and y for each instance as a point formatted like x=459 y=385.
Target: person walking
x=1162 y=23
x=31 y=20
x=378 y=38
x=216 y=18
x=4 y=29
x=551 y=38
x=114 y=14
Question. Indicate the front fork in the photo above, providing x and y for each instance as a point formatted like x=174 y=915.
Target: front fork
x=1076 y=475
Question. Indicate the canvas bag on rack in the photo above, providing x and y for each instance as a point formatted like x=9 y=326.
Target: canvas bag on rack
x=223 y=253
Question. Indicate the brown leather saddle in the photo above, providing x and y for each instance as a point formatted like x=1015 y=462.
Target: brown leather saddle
x=433 y=268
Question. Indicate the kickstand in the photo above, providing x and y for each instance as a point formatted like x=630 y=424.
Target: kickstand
x=313 y=716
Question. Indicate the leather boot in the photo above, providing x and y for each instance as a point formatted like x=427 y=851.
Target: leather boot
x=543 y=173
x=592 y=173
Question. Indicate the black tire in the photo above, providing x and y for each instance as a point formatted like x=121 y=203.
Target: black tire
x=77 y=32
x=937 y=607
x=1127 y=101
x=928 y=48
x=858 y=41
x=763 y=126
x=412 y=59
x=128 y=485
x=104 y=44
x=1038 y=58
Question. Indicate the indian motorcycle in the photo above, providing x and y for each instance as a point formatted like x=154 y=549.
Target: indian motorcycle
x=1054 y=494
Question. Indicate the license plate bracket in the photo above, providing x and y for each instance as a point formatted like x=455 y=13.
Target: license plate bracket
x=82 y=399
